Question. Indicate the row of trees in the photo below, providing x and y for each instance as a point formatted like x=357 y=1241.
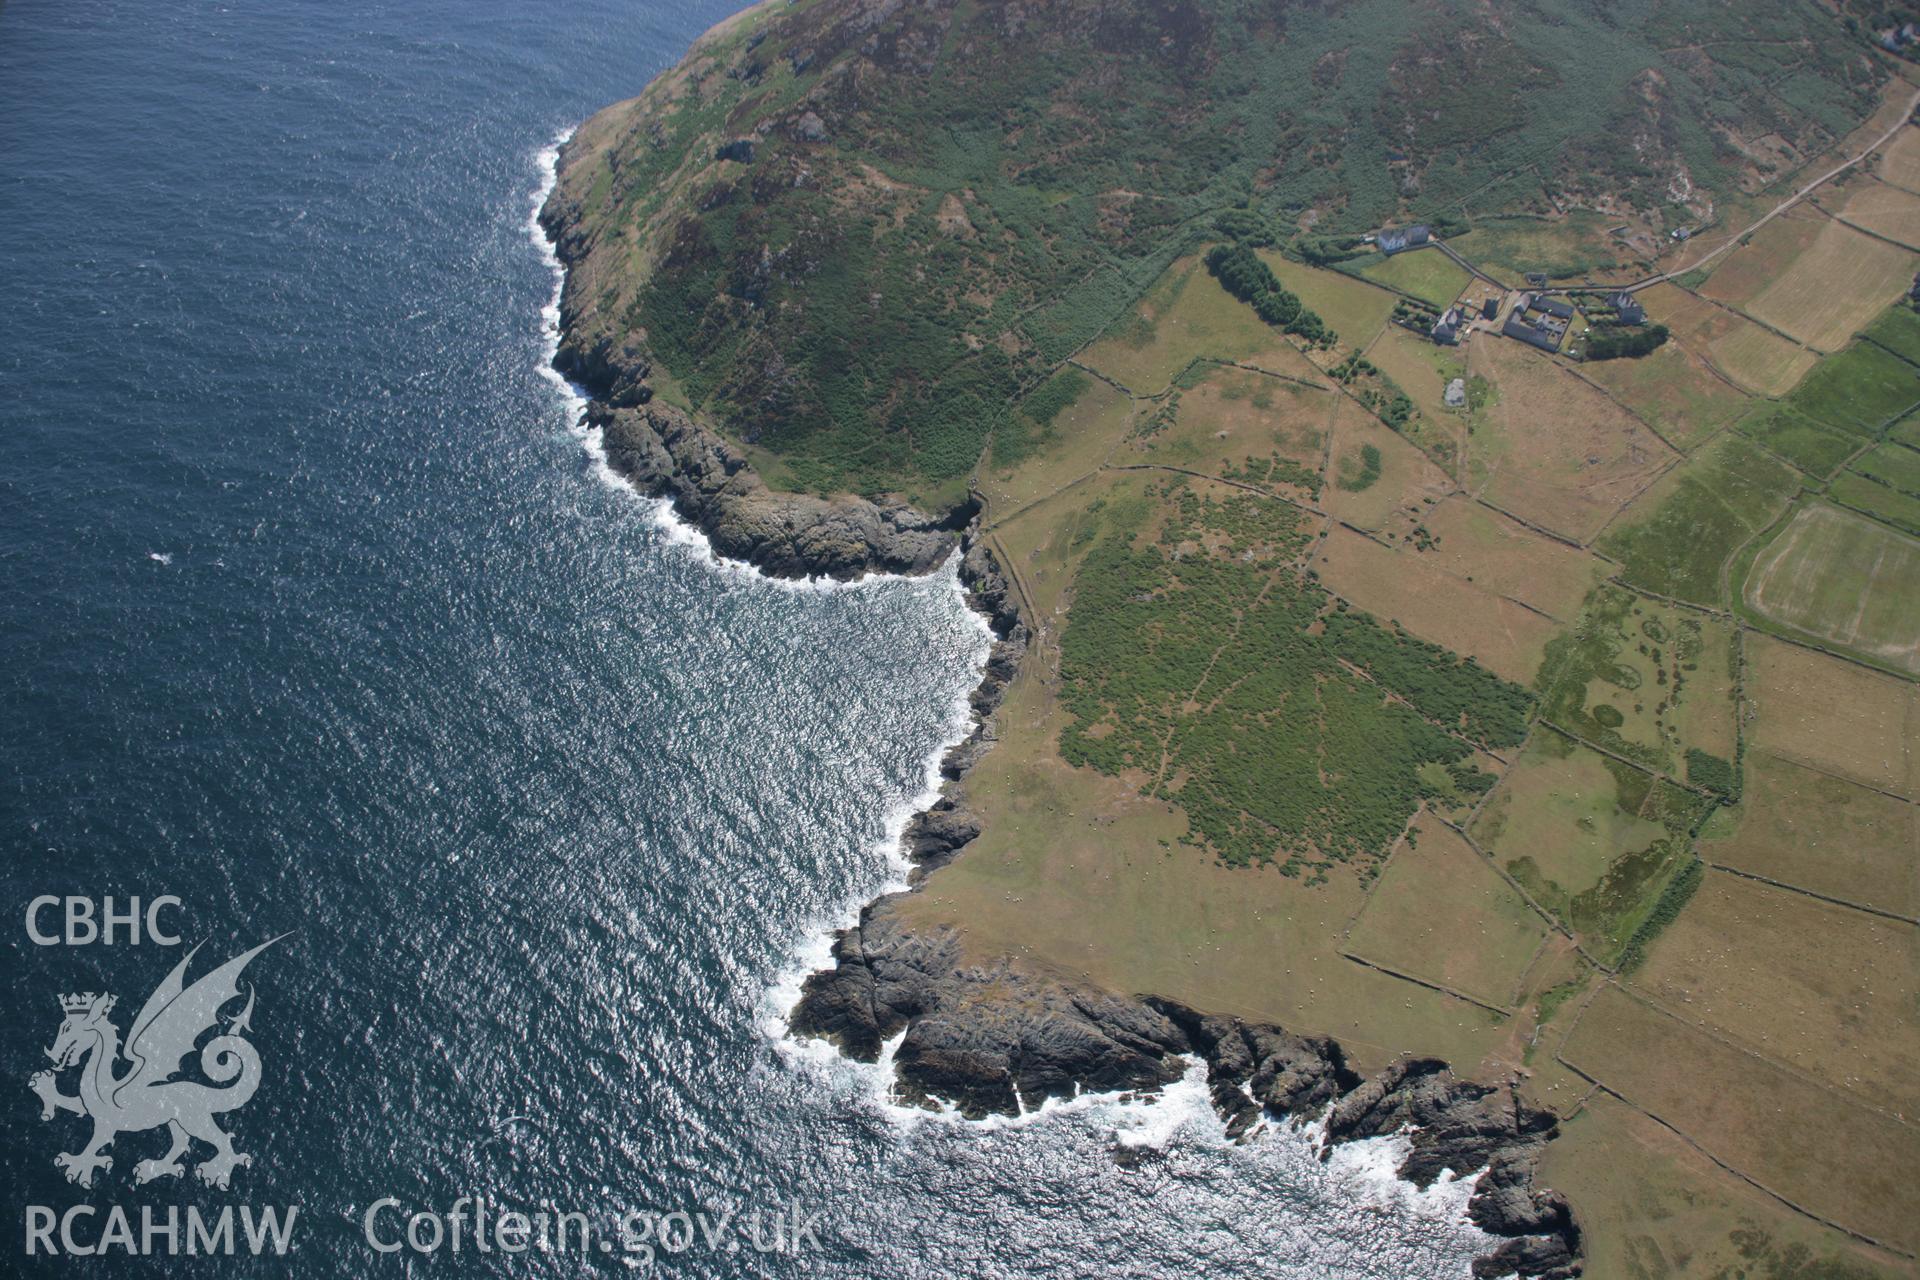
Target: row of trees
x=1610 y=342
x=1242 y=274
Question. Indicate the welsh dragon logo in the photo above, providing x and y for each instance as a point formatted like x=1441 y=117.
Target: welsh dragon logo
x=147 y=1095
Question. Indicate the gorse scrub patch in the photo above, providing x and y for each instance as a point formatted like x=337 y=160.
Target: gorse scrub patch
x=1355 y=478
x=1615 y=342
x=1198 y=660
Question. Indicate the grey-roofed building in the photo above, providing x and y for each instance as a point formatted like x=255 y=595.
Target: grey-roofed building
x=1626 y=308
x=1547 y=339
x=1392 y=242
x=1557 y=307
x=1446 y=330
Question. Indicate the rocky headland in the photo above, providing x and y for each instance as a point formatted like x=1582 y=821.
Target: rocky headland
x=996 y=1037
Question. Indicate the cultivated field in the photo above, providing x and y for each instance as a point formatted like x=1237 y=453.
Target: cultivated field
x=1441 y=913
x=1762 y=362
x=1844 y=1161
x=1844 y=580
x=1407 y=587
x=1833 y=289
x=1824 y=989
x=1820 y=833
x=1187 y=315
x=1884 y=210
x=1685 y=401
x=1427 y=274
x=1553 y=450
x=1899 y=161
x=1831 y=714
x=1750 y=270
x=1501 y=555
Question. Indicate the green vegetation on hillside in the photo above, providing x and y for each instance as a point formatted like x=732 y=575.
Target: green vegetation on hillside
x=1199 y=659
x=1613 y=342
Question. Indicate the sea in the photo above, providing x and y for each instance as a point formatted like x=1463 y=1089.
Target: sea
x=322 y=622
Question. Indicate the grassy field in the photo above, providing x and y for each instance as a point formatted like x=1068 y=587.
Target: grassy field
x=1074 y=439
x=1831 y=714
x=1591 y=839
x=1441 y=913
x=1860 y=390
x=1884 y=210
x=1894 y=465
x=1899 y=162
x=1654 y=1208
x=1677 y=536
x=1427 y=274
x=1898 y=330
x=1831 y=291
x=1764 y=258
x=1822 y=834
x=1877 y=500
x=1412 y=590
x=1644 y=679
x=1185 y=316
x=1811 y=446
x=1671 y=389
x=1421 y=369
x=1553 y=450
x=1404 y=482
x=1842 y=580
x=1497 y=553
x=1762 y=362
x=1848 y=1163
x=1241 y=425
x=1356 y=310
x=1575 y=245
x=1824 y=989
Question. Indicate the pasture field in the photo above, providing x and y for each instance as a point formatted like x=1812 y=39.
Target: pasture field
x=1509 y=247
x=1645 y=679
x=1844 y=1161
x=1084 y=419
x=1898 y=330
x=1835 y=288
x=1422 y=370
x=1440 y=912
x=1499 y=554
x=1822 y=834
x=1393 y=484
x=1884 y=210
x=1245 y=426
x=1427 y=274
x=1906 y=432
x=1591 y=839
x=1843 y=580
x=1762 y=362
x=1830 y=714
x=1822 y=988
x=1860 y=390
x=1673 y=391
x=1894 y=465
x=1553 y=450
x=1753 y=268
x=1435 y=605
x=1676 y=538
x=1900 y=510
x=1812 y=447
x=1899 y=161
x=1657 y=1209
x=1187 y=315
x=1353 y=308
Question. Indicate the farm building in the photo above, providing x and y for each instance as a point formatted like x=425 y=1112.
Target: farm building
x=1489 y=308
x=1392 y=242
x=1455 y=396
x=1532 y=324
x=1559 y=308
x=1628 y=311
x=1446 y=330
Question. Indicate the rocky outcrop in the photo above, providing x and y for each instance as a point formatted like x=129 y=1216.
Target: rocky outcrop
x=998 y=1039
x=789 y=535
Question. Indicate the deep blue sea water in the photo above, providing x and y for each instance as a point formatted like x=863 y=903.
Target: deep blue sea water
x=318 y=615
